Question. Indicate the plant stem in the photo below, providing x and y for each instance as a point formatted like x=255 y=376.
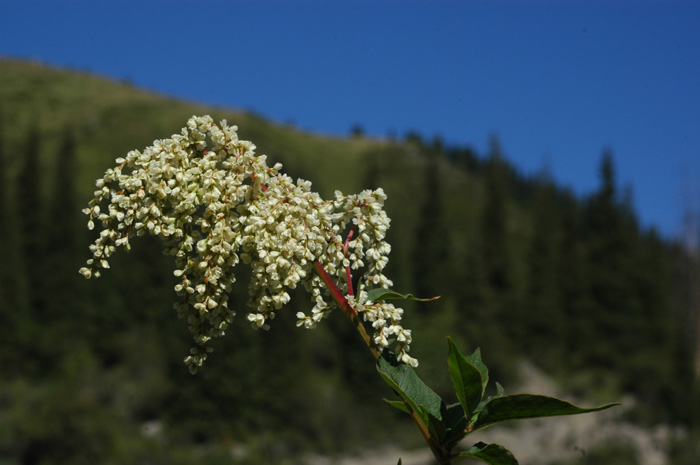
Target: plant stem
x=348 y=273
x=352 y=315
x=344 y=305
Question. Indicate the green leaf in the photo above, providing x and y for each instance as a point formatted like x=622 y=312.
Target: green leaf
x=399 y=462
x=521 y=406
x=401 y=405
x=410 y=387
x=454 y=419
x=466 y=379
x=436 y=426
x=495 y=454
x=455 y=426
x=475 y=359
x=446 y=424
x=375 y=295
x=500 y=392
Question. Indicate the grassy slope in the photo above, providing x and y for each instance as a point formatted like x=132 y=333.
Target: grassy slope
x=111 y=118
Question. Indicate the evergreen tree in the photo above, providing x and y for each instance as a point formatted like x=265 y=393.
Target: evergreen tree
x=4 y=217
x=64 y=290
x=9 y=311
x=30 y=215
x=475 y=300
x=63 y=205
x=685 y=302
x=665 y=350
x=31 y=269
x=614 y=251
x=494 y=224
x=544 y=318
x=431 y=246
x=573 y=282
x=7 y=289
x=465 y=158
x=497 y=260
x=373 y=168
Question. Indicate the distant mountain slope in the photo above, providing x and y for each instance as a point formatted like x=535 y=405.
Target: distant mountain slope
x=524 y=267
x=112 y=117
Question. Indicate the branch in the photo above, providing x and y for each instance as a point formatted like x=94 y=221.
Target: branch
x=347 y=309
x=348 y=273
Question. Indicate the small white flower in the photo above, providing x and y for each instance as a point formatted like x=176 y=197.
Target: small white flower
x=410 y=361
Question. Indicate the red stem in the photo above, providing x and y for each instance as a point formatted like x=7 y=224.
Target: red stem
x=348 y=273
x=352 y=315
x=347 y=309
x=336 y=293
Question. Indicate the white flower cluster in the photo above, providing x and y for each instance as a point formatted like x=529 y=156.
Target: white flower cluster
x=213 y=203
x=385 y=319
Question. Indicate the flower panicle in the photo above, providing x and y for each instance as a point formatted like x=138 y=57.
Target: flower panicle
x=214 y=203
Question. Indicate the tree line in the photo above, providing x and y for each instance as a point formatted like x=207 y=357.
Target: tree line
x=524 y=268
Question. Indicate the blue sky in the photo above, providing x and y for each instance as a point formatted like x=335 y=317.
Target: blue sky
x=557 y=81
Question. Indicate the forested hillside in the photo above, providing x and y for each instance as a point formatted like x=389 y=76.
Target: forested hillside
x=92 y=370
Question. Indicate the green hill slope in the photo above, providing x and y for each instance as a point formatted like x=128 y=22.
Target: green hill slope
x=111 y=118
x=524 y=269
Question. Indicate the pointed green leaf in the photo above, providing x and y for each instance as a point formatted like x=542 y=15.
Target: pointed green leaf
x=466 y=379
x=410 y=387
x=475 y=359
x=399 y=404
x=494 y=454
x=500 y=392
x=520 y=406
x=438 y=419
x=375 y=295
x=399 y=462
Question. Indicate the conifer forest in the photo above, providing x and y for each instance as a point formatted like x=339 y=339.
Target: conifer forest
x=93 y=372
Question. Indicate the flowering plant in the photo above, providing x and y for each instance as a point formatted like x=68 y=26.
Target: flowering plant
x=214 y=204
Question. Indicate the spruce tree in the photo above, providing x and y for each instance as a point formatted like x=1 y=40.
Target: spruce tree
x=614 y=253
x=496 y=257
x=494 y=224
x=4 y=217
x=63 y=212
x=32 y=267
x=431 y=245
x=7 y=298
x=544 y=315
x=8 y=282
x=29 y=209
x=61 y=284
x=573 y=282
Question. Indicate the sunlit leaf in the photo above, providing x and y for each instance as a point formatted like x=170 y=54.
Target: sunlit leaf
x=521 y=406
